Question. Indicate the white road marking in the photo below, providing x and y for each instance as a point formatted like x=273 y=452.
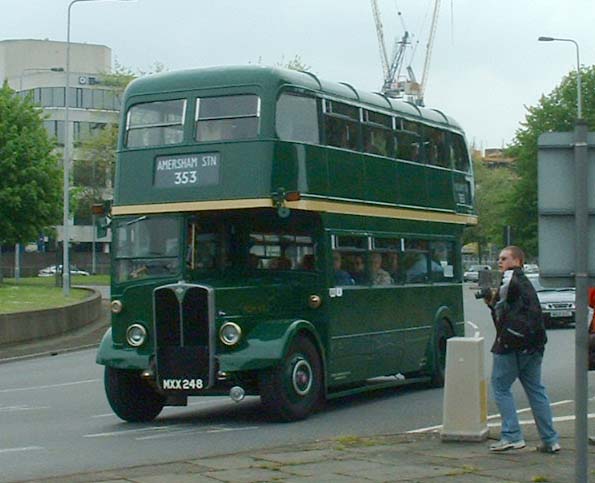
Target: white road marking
x=49 y=386
x=12 y=409
x=493 y=416
x=170 y=434
x=125 y=431
x=17 y=450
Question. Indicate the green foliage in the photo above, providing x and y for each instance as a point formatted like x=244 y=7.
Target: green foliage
x=493 y=187
x=554 y=112
x=31 y=182
x=99 y=153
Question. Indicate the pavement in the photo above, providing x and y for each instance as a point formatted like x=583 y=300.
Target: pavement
x=408 y=457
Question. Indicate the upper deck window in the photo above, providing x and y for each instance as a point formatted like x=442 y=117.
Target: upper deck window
x=435 y=142
x=341 y=125
x=408 y=140
x=155 y=123
x=297 y=118
x=458 y=152
x=227 y=117
x=377 y=133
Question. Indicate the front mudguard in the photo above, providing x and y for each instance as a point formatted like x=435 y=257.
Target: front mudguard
x=119 y=357
x=267 y=344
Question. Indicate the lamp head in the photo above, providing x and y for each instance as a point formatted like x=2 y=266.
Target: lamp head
x=546 y=39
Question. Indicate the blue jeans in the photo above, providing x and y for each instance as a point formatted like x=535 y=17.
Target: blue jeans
x=527 y=368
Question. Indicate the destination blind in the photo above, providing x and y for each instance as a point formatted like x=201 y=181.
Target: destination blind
x=187 y=170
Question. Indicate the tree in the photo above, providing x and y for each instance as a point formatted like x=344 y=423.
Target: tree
x=31 y=182
x=554 y=112
x=97 y=172
x=492 y=188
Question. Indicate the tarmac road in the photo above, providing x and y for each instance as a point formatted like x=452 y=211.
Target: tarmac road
x=55 y=419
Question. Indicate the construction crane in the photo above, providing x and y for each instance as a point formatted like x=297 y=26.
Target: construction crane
x=392 y=85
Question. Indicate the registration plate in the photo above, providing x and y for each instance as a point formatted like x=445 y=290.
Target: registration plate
x=182 y=384
x=561 y=313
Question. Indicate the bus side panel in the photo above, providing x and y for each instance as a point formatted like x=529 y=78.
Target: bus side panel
x=381 y=179
x=300 y=167
x=382 y=331
x=411 y=182
x=439 y=186
x=346 y=174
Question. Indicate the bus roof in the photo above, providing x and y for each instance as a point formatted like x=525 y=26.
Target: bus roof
x=274 y=77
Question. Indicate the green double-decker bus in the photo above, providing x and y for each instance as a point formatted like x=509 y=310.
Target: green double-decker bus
x=278 y=235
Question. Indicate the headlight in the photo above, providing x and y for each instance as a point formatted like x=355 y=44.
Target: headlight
x=116 y=306
x=230 y=333
x=136 y=335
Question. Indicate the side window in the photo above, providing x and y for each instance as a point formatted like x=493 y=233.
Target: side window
x=435 y=143
x=155 y=123
x=227 y=117
x=408 y=141
x=416 y=261
x=274 y=251
x=341 y=125
x=297 y=118
x=391 y=251
x=442 y=261
x=377 y=134
x=459 y=153
x=349 y=260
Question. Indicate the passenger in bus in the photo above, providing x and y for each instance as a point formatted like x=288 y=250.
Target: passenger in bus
x=417 y=267
x=341 y=276
x=379 y=275
x=393 y=267
x=308 y=262
x=357 y=269
x=281 y=263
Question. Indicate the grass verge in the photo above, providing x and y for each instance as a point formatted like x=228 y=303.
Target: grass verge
x=25 y=295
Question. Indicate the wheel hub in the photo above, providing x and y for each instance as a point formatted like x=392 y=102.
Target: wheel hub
x=301 y=377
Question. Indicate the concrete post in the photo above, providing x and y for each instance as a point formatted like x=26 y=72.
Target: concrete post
x=465 y=408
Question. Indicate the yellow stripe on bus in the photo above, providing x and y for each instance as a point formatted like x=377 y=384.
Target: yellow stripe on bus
x=348 y=208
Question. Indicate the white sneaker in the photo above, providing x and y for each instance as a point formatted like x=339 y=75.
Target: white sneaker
x=546 y=448
x=505 y=445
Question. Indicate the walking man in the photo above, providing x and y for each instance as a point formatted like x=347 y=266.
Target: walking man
x=518 y=353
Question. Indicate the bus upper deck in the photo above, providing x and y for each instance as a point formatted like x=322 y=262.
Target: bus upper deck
x=251 y=137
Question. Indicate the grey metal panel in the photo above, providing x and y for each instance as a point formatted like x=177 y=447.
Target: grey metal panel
x=556 y=245
x=556 y=205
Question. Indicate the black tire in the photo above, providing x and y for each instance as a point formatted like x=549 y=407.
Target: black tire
x=131 y=398
x=293 y=389
x=442 y=333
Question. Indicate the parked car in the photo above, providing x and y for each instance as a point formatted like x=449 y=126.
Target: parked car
x=51 y=271
x=472 y=273
x=557 y=304
x=530 y=268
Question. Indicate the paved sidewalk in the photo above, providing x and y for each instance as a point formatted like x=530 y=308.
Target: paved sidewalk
x=388 y=458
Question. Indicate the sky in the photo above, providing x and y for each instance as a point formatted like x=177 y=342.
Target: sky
x=486 y=64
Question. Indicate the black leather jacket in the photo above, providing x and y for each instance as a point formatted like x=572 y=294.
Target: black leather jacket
x=517 y=316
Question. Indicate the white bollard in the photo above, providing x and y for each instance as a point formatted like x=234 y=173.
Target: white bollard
x=465 y=407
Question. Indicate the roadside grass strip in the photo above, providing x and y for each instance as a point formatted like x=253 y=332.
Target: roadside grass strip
x=23 y=296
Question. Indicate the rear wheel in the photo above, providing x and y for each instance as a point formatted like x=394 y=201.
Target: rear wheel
x=442 y=334
x=131 y=398
x=293 y=389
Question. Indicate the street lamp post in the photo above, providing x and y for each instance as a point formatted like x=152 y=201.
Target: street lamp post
x=581 y=213
x=67 y=155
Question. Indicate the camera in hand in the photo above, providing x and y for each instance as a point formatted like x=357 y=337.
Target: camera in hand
x=483 y=293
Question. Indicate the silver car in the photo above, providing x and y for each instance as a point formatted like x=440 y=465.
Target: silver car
x=472 y=273
x=557 y=304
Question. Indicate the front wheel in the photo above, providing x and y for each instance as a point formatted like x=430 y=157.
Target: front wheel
x=131 y=398
x=293 y=389
x=442 y=334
